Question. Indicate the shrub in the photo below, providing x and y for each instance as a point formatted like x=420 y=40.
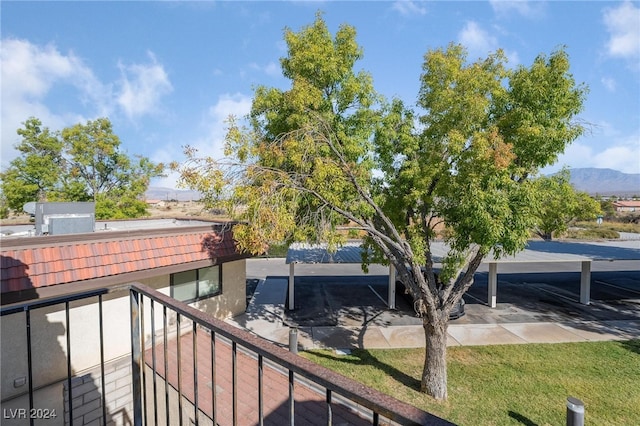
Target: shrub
x=592 y=234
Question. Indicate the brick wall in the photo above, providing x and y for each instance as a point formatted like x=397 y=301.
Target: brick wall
x=86 y=391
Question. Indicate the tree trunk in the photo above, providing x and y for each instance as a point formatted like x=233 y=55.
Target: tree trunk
x=434 y=374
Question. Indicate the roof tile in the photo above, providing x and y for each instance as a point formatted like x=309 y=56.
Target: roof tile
x=59 y=264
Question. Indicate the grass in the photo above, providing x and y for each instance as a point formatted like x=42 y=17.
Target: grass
x=510 y=384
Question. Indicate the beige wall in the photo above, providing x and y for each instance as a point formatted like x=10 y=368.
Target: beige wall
x=49 y=341
x=49 y=331
x=232 y=301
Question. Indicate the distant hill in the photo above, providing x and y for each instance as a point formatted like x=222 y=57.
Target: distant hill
x=605 y=181
x=159 y=193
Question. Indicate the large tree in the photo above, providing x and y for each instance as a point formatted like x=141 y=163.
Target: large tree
x=83 y=162
x=560 y=204
x=35 y=172
x=329 y=151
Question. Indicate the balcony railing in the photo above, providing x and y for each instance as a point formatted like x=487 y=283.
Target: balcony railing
x=184 y=367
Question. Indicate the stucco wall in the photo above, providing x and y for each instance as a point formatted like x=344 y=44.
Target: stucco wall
x=232 y=301
x=49 y=331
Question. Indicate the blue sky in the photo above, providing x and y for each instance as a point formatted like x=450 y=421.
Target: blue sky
x=168 y=74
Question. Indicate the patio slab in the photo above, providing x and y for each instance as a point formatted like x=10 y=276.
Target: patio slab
x=483 y=334
x=542 y=333
x=404 y=336
x=595 y=331
x=334 y=337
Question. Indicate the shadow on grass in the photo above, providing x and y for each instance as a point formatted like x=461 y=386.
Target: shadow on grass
x=632 y=345
x=522 y=419
x=364 y=357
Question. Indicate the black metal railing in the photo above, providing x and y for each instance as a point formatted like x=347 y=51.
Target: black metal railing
x=33 y=412
x=187 y=367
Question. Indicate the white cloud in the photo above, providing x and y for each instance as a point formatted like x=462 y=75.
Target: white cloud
x=609 y=83
x=521 y=7
x=479 y=43
x=238 y=105
x=477 y=40
x=142 y=87
x=271 y=69
x=215 y=123
x=211 y=139
x=622 y=158
x=29 y=73
x=623 y=155
x=513 y=58
x=409 y=8
x=281 y=46
x=623 y=25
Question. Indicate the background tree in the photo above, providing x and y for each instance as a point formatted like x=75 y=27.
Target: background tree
x=81 y=163
x=4 y=207
x=115 y=181
x=606 y=206
x=34 y=175
x=328 y=151
x=560 y=204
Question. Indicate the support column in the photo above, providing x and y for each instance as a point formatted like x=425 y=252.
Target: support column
x=392 y=287
x=585 y=282
x=291 y=282
x=493 y=285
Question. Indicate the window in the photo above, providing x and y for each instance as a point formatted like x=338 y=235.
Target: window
x=196 y=284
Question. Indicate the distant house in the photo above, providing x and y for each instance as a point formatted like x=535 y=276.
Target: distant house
x=626 y=206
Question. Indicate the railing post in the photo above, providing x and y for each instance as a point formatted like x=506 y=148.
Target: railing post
x=102 y=376
x=30 y=363
x=69 y=369
x=136 y=357
x=292 y=401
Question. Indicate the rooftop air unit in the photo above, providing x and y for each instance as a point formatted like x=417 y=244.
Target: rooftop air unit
x=64 y=218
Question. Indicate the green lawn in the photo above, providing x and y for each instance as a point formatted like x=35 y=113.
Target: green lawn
x=510 y=384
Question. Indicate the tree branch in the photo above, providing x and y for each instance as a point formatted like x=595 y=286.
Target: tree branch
x=453 y=293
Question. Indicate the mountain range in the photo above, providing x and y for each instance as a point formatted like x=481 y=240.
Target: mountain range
x=591 y=180
x=605 y=181
x=166 y=194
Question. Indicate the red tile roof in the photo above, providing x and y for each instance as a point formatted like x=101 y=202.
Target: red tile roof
x=630 y=203
x=47 y=261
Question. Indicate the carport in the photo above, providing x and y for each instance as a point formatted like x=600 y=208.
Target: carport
x=318 y=253
x=531 y=256
x=582 y=253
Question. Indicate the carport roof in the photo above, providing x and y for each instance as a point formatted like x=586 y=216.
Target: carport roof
x=536 y=251
x=352 y=253
x=319 y=253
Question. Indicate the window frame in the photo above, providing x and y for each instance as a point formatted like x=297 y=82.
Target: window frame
x=198 y=297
